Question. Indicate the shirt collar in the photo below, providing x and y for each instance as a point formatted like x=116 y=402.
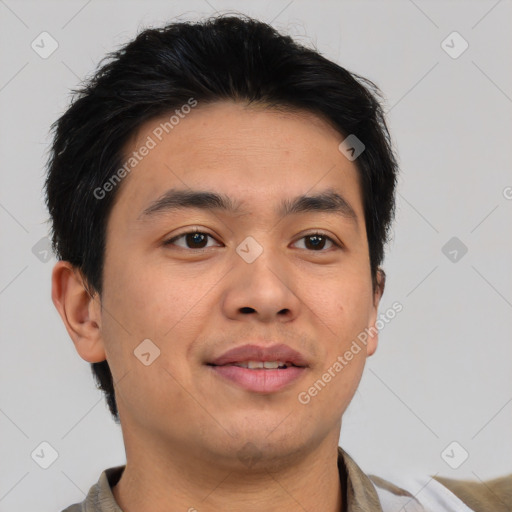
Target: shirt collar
x=360 y=494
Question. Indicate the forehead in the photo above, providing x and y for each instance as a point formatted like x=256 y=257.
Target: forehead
x=252 y=153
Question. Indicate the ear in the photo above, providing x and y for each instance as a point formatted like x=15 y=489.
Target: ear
x=378 y=290
x=80 y=311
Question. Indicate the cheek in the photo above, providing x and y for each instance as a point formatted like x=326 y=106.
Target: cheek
x=159 y=302
x=149 y=300
x=345 y=316
x=346 y=306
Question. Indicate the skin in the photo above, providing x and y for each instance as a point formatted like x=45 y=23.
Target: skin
x=186 y=430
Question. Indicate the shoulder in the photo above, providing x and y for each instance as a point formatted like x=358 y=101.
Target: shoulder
x=433 y=493
x=480 y=496
x=100 y=497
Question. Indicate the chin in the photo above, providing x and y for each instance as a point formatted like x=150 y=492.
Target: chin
x=257 y=453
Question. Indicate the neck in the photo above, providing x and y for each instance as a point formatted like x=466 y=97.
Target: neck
x=307 y=480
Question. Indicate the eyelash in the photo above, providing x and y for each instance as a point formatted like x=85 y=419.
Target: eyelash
x=196 y=231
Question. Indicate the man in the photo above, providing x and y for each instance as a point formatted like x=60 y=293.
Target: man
x=221 y=198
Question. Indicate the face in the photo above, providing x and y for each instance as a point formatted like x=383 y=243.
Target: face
x=201 y=280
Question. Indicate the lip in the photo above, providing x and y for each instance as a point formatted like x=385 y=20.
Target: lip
x=260 y=380
x=249 y=352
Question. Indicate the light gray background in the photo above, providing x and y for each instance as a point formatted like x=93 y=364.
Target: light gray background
x=442 y=372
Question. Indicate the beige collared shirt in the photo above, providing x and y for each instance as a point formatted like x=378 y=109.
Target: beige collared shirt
x=363 y=493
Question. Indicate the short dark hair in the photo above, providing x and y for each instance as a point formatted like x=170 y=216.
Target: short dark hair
x=222 y=58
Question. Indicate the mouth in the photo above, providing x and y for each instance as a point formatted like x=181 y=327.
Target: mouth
x=259 y=365
x=259 y=369
x=260 y=379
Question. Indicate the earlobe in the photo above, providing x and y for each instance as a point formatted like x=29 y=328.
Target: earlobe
x=79 y=311
x=373 y=334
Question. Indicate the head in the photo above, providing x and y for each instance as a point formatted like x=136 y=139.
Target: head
x=231 y=131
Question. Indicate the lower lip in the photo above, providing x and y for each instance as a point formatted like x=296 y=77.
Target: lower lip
x=260 y=381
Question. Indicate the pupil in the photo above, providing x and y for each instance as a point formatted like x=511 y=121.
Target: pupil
x=320 y=241
x=196 y=238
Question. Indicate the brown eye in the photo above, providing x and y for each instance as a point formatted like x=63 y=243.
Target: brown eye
x=317 y=241
x=192 y=240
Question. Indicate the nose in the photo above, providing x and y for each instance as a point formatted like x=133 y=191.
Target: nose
x=262 y=290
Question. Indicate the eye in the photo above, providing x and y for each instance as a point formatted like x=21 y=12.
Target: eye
x=317 y=241
x=191 y=240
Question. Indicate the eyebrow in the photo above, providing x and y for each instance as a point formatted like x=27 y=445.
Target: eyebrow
x=328 y=201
